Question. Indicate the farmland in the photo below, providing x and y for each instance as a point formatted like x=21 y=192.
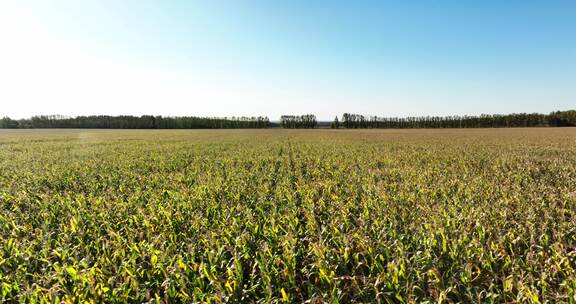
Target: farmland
x=395 y=216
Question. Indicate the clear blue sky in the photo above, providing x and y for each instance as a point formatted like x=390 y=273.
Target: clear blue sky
x=236 y=57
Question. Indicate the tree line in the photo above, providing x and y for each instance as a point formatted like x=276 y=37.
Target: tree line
x=307 y=121
x=135 y=122
x=554 y=119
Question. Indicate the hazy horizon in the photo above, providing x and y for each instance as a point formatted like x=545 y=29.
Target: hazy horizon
x=252 y=58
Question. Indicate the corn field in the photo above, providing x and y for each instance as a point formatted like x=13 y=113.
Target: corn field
x=288 y=216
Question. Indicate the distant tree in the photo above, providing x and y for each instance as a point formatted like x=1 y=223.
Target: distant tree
x=335 y=124
x=307 y=121
x=563 y=119
x=7 y=123
x=134 y=122
x=556 y=119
